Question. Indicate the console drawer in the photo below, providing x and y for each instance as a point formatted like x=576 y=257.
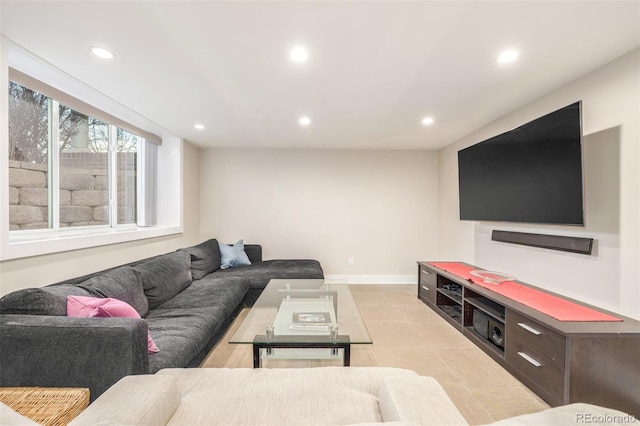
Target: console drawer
x=537 y=352
x=538 y=368
x=529 y=335
x=427 y=284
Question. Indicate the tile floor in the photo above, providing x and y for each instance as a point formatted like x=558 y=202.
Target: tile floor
x=406 y=333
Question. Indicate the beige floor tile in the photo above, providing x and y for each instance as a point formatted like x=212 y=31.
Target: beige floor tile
x=383 y=295
x=502 y=403
x=422 y=360
x=375 y=313
x=363 y=356
x=474 y=368
x=470 y=408
x=418 y=314
x=444 y=338
x=394 y=333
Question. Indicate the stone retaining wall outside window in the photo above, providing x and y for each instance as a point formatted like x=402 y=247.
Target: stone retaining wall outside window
x=84 y=192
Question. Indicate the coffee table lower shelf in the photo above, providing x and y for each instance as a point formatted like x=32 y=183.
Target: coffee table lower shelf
x=301 y=342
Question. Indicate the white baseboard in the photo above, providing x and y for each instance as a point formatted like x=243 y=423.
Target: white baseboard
x=372 y=279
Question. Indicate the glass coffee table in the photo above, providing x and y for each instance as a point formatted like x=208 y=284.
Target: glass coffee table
x=302 y=319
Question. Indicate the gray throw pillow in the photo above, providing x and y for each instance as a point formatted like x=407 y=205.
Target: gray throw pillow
x=165 y=276
x=205 y=258
x=234 y=255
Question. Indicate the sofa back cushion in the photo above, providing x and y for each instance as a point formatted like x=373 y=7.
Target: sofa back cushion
x=205 y=258
x=49 y=300
x=165 y=276
x=254 y=252
x=123 y=284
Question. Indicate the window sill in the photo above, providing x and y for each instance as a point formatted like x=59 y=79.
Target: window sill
x=27 y=245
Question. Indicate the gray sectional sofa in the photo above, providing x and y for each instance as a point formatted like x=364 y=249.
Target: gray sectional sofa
x=185 y=301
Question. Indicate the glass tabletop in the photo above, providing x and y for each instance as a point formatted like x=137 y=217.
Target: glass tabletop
x=284 y=301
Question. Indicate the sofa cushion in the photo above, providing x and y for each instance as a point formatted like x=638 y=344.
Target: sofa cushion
x=233 y=256
x=93 y=307
x=49 y=300
x=164 y=276
x=121 y=284
x=260 y=273
x=287 y=396
x=181 y=334
x=225 y=293
x=205 y=258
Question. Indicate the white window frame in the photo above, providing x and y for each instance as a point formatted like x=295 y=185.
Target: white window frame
x=53 y=184
x=169 y=167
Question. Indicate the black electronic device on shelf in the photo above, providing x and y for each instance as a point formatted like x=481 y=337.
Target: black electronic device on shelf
x=488 y=328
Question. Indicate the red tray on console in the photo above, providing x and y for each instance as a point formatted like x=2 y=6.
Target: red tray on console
x=548 y=304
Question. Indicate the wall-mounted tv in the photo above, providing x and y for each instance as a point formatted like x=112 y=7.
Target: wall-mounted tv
x=531 y=174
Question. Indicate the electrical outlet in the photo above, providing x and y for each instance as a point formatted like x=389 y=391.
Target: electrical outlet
x=351 y=261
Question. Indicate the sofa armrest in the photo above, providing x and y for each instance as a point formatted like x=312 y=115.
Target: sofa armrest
x=572 y=414
x=57 y=351
x=10 y=417
x=135 y=400
x=418 y=400
x=254 y=252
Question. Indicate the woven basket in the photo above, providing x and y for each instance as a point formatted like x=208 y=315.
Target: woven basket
x=47 y=406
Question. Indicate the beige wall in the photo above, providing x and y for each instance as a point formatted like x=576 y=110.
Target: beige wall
x=610 y=278
x=41 y=270
x=378 y=207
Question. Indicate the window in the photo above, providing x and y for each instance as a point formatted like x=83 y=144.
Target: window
x=51 y=134
x=29 y=129
x=83 y=170
x=127 y=154
x=68 y=169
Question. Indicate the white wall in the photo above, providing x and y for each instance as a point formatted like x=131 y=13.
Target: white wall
x=37 y=271
x=379 y=207
x=610 y=278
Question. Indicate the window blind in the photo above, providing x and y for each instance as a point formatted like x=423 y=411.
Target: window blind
x=78 y=105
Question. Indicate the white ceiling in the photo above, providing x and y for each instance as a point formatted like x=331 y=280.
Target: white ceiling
x=375 y=68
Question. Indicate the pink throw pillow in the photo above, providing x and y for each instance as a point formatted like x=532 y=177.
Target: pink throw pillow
x=95 y=307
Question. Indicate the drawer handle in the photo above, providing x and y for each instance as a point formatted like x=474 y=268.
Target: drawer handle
x=529 y=328
x=426 y=272
x=528 y=358
x=426 y=288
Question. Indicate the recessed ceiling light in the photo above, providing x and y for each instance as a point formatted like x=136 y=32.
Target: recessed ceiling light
x=199 y=126
x=299 y=54
x=507 y=56
x=101 y=52
x=304 y=121
x=427 y=121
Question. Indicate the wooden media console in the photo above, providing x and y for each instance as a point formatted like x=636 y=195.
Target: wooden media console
x=597 y=362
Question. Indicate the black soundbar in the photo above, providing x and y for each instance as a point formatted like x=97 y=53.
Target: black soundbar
x=553 y=242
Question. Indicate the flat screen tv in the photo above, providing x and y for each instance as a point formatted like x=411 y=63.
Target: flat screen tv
x=531 y=174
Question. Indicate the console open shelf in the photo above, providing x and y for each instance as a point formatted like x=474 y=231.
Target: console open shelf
x=449 y=299
x=492 y=308
x=454 y=312
x=562 y=361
